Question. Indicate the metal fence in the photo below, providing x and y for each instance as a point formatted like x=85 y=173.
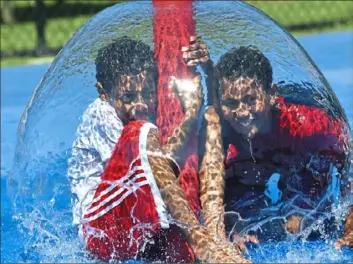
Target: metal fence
x=37 y=28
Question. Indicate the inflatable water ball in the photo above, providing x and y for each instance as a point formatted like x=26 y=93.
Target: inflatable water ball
x=48 y=124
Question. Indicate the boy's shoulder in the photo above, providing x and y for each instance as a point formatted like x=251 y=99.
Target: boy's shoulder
x=100 y=118
x=303 y=120
x=100 y=112
x=99 y=109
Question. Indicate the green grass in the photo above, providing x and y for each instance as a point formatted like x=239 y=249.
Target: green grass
x=25 y=60
x=297 y=12
x=25 y=3
x=21 y=36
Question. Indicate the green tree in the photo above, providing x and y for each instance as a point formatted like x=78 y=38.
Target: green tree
x=7 y=12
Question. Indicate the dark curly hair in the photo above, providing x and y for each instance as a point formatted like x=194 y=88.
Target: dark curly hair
x=245 y=62
x=123 y=56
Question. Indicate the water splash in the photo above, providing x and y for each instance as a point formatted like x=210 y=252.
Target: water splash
x=42 y=209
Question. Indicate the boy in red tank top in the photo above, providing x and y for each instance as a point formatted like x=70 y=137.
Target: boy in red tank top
x=126 y=195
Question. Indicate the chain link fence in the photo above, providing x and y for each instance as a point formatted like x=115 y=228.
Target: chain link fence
x=37 y=28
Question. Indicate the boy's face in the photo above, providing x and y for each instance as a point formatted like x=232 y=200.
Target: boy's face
x=245 y=104
x=135 y=97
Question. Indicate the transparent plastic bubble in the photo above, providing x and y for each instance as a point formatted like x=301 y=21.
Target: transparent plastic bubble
x=48 y=124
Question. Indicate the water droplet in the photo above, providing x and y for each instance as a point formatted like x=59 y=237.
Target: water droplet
x=251 y=150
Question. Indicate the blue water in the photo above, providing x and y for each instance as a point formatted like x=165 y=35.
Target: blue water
x=333 y=54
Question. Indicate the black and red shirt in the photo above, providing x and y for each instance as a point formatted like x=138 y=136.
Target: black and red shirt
x=305 y=146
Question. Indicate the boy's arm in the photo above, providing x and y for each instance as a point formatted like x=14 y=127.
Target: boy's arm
x=202 y=243
x=96 y=137
x=326 y=141
x=190 y=95
x=212 y=173
x=211 y=153
x=318 y=142
x=329 y=139
x=194 y=54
